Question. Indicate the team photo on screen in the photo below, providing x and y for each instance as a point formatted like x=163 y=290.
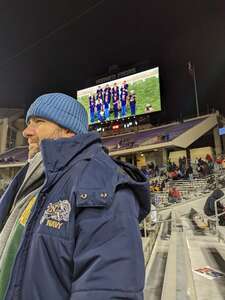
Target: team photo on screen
x=128 y=96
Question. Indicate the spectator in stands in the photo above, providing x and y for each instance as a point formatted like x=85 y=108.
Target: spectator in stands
x=209 y=161
x=202 y=168
x=223 y=161
x=174 y=195
x=172 y=174
x=69 y=219
x=145 y=171
x=180 y=162
x=219 y=163
x=156 y=170
x=209 y=207
x=169 y=165
x=163 y=185
x=174 y=166
x=189 y=172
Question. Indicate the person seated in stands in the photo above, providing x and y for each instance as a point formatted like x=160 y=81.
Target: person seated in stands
x=209 y=207
x=156 y=170
x=145 y=171
x=162 y=185
x=179 y=174
x=210 y=163
x=219 y=163
x=205 y=169
x=223 y=162
x=157 y=186
x=174 y=195
x=189 y=173
x=174 y=166
x=172 y=174
x=169 y=165
x=202 y=168
x=151 y=186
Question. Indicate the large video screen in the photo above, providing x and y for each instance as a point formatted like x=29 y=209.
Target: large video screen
x=124 y=97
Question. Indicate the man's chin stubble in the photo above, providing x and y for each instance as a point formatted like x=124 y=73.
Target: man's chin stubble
x=32 y=152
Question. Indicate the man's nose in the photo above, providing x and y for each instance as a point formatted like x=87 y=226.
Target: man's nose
x=28 y=131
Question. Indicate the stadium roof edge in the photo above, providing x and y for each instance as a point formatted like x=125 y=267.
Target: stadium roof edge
x=183 y=140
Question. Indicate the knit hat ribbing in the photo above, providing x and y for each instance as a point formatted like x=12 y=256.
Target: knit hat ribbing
x=61 y=109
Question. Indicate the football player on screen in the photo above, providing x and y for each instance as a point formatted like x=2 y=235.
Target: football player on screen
x=107 y=100
x=92 y=108
x=132 y=100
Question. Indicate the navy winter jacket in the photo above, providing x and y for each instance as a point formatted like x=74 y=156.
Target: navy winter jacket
x=82 y=240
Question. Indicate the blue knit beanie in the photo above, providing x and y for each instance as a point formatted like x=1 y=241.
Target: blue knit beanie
x=61 y=109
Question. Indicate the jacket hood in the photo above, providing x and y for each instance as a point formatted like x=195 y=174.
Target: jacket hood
x=140 y=186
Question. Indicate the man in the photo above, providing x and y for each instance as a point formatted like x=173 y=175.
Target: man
x=124 y=88
x=123 y=100
x=99 y=108
x=209 y=207
x=92 y=107
x=132 y=99
x=69 y=219
x=115 y=100
x=107 y=101
x=99 y=93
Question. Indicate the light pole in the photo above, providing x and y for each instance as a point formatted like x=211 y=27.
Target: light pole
x=191 y=69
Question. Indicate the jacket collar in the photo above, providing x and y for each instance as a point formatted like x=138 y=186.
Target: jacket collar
x=57 y=154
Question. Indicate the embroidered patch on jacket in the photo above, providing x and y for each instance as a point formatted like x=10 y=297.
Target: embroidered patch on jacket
x=56 y=214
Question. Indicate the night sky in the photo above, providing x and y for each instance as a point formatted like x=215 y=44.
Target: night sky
x=49 y=46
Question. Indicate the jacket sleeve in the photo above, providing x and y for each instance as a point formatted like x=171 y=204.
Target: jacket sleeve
x=108 y=256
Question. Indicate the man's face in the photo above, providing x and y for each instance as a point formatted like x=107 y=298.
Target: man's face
x=39 y=129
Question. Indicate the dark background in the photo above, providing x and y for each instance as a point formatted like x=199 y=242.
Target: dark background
x=51 y=45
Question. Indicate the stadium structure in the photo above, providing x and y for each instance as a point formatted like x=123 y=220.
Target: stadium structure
x=138 y=144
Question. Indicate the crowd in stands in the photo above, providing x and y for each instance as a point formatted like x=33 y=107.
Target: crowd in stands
x=184 y=169
x=157 y=185
x=152 y=170
x=158 y=177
